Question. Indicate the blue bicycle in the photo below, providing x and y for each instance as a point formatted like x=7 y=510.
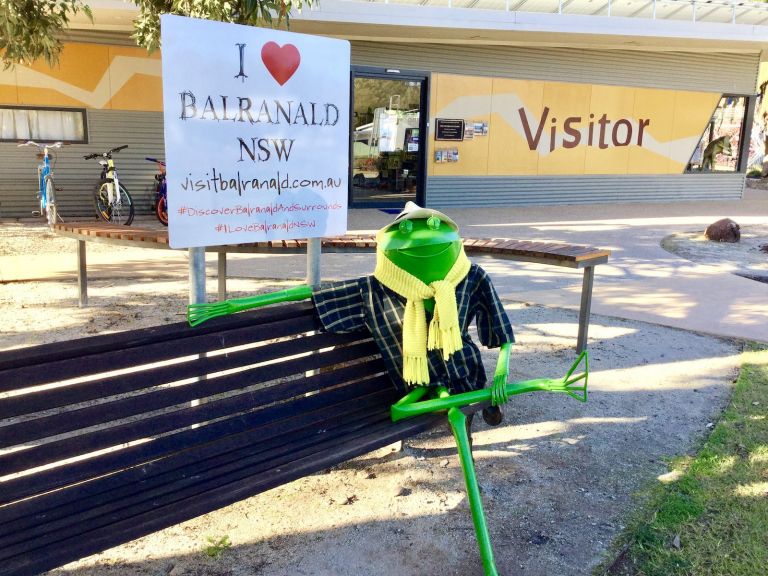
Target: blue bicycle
x=46 y=190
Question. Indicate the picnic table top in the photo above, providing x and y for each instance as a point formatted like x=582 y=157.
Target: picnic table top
x=561 y=254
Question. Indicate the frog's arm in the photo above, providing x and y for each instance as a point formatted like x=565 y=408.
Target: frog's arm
x=499 y=388
x=198 y=313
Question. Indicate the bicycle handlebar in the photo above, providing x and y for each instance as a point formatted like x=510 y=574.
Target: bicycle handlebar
x=155 y=160
x=107 y=154
x=32 y=143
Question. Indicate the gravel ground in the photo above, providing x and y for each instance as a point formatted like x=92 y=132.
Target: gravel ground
x=558 y=476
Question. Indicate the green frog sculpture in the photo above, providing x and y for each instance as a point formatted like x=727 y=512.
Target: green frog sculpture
x=418 y=305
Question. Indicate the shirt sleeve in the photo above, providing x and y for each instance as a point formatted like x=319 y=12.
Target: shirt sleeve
x=493 y=326
x=339 y=306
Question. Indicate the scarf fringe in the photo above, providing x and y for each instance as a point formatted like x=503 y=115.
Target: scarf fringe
x=446 y=339
x=416 y=370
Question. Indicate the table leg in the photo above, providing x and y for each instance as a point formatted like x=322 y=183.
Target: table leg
x=82 y=274
x=586 y=305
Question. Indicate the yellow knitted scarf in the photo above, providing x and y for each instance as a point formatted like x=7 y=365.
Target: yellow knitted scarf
x=444 y=330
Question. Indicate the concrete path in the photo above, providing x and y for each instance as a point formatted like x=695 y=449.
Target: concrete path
x=641 y=281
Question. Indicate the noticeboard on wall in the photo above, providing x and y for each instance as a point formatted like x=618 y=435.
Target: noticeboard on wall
x=449 y=129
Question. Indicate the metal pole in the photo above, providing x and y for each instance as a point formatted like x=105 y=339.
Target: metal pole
x=196 y=275
x=82 y=274
x=314 y=248
x=654 y=9
x=222 y=275
x=609 y=7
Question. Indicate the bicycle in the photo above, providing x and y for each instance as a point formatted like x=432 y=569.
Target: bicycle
x=160 y=204
x=46 y=190
x=113 y=202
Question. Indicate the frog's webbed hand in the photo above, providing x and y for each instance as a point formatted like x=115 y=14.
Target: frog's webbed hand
x=499 y=394
x=199 y=313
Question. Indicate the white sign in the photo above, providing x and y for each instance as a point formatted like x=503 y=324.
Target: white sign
x=256 y=133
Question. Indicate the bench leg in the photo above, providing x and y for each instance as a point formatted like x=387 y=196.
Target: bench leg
x=222 y=276
x=82 y=275
x=584 y=310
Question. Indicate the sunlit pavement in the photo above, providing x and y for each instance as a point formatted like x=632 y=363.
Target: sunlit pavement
x=641 y=281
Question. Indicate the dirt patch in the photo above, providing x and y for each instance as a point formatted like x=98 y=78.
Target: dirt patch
x=558 y=476
x=744 y=258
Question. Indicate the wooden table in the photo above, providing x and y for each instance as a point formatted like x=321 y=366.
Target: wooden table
x=554 y=254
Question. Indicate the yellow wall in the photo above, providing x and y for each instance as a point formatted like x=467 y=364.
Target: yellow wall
x=88 y=76
x=669 y=121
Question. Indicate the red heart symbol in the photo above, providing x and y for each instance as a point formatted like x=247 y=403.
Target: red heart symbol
x=281 y=62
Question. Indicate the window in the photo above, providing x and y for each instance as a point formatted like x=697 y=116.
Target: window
x=720 y=145
x=42 y=124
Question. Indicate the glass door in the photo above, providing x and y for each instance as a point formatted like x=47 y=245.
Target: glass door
x=388 y=138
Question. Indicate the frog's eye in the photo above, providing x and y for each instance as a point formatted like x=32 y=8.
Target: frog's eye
x=406 y=226
x=433 y=222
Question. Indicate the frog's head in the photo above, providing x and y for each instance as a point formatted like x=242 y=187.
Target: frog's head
x=421 y=241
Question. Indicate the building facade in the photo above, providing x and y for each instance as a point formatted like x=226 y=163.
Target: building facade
x=472 y=103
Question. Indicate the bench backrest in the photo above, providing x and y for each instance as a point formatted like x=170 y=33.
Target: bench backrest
x=108 y=438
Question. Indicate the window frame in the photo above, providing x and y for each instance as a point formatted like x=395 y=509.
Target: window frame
x=745 y=133
x=83 y=113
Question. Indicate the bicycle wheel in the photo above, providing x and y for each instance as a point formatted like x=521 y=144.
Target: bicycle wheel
x=161 y=209
x=119 y=211
x=50 y=202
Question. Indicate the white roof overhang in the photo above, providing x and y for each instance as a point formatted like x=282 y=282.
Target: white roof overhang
x=678 y=25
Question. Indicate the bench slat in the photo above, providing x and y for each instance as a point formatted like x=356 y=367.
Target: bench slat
x=125 y=529
x=259 y=322
x=160 y=424
x=187 y=482
x=108 y=412
x=136 y=493
x=146 y=352
x=256 y=444
x=149 y=377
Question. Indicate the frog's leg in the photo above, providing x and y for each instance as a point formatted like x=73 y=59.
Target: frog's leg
x=458 y=421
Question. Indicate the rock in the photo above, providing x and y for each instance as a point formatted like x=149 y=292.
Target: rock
x=764 y=248
x=725 y=230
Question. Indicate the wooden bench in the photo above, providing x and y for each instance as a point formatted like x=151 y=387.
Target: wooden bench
x=109 y=438
x=554 y=254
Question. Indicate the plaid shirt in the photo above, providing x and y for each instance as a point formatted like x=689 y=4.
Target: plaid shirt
x=364 y=304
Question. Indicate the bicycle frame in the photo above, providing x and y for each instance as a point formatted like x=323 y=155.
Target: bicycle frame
x=109 y=172
x=112 y=201
x=44 y=170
